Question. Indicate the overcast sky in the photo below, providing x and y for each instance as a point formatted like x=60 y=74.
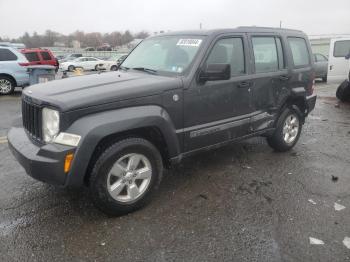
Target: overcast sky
x=66 y=16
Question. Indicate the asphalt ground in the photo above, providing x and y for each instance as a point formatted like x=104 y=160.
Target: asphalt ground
x=243 y=202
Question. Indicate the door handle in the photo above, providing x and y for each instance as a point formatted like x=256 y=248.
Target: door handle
x=330 y=67
x=244 y=84
x=284 y=77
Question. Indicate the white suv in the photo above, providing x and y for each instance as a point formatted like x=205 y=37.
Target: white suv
x=13 y=70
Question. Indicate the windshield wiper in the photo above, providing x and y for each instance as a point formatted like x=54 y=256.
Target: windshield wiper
x=124 y=68
x=147 y=70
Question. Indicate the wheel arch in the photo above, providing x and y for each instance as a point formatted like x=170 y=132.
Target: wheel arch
x=98 y=131
x=9 y=76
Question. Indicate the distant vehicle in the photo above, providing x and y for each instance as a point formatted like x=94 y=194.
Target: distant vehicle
x=60 y=57
x=104 y=47
x=113 y=63
x=38 y=56
x=89 y=49
x=70 y=57
x=321 y=66
x=13 y=71
x=86 y=63
x=338 y=65
x=13 y=45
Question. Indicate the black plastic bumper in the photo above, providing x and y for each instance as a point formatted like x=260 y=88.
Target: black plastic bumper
x=44 y=163
x=311 y=102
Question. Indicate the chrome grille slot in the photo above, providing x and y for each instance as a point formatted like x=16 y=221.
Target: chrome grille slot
x=31 y=115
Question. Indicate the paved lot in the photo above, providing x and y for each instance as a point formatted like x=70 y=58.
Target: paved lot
x=243 y=202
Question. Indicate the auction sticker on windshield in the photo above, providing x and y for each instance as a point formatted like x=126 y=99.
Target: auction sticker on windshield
x=189 y=42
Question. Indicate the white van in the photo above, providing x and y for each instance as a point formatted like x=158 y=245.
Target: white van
x=338 y=65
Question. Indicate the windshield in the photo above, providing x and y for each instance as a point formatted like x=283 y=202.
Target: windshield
x=171 y=54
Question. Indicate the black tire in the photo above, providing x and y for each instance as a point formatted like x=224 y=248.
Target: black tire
x=96 y=67
x=324 y=79
x=9 y=85
x=114 y=68
x=99 y=175
x=343 y=91
x=276 y=140
x=71 y=68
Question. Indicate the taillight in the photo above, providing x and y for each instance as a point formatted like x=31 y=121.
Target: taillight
x=24 y=64
x=311 y=87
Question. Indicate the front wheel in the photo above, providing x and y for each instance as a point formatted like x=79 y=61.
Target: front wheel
x=71 y=68
x=125 y=176
x=287 y=131
x=7 y=85
x=114 y=68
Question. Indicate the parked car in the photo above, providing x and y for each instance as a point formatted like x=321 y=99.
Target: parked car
x=113 y=63
x=70 y=57
x=60 y=57
x=115 y=134
x=104 y=47
x=38 y=56
x=13 y=71
x=89 y=49
x=321 y=66
x=338 y=65
x=86 y=63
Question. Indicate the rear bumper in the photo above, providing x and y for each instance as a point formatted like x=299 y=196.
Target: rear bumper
x=310 y=103
x=44 y=163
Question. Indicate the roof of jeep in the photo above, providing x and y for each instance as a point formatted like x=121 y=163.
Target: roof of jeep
x=241 y=29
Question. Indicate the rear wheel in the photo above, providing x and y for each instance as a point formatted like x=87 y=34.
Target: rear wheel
x=287 y=131
x=7 y=85
x=343 y=91
x=125 y=176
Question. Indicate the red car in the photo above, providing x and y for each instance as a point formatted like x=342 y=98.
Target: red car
x=38 y=56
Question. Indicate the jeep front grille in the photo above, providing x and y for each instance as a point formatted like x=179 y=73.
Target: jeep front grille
x=31 y=115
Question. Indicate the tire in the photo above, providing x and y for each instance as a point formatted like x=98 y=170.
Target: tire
x=114 y=68
x=343 y=92
x=71 y=68
x=7 y=85
x=96 y=67
x=110 y=174
x=324 y=79
x=290 y=121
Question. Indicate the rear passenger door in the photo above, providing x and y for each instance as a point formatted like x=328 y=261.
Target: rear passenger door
x=270 y=78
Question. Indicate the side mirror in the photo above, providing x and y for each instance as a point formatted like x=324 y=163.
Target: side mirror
x=213 y=72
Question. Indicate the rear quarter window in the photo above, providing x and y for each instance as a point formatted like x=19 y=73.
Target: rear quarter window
x=32 y=56
x=341 y=48
x=300 y=52
x=46 y=56
x=7 y=55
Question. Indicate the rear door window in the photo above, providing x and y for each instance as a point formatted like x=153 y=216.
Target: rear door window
x=320 y=58
x=32 y=56
x=341 y=48
x=46 y=56
x=300 y=51
x=266 y=54
x=7 y=55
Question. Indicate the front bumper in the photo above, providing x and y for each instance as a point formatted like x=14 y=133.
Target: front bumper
x=310 y=102
x=45 y=162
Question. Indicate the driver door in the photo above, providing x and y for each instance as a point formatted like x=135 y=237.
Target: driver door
x=218 y=111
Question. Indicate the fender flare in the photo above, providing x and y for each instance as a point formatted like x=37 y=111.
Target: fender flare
x=93 y=128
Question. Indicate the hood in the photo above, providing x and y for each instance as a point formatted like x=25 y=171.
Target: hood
x=91 y=90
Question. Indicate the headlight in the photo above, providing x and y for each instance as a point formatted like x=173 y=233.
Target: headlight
x=50 y=124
